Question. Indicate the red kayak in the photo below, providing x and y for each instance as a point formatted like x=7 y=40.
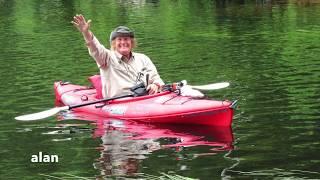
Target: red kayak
x=164 y=107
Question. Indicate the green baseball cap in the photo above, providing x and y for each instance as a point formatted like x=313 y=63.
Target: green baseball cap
x=121 y=31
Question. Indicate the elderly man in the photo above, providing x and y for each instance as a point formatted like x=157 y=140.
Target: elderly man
x=120 y=67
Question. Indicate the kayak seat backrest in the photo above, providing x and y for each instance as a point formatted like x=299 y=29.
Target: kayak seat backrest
x=96 y=83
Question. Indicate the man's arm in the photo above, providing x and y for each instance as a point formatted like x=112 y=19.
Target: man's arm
x=96 y=49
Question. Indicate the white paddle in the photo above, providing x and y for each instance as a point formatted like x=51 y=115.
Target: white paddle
x=55 y=110
x=42 y=114
x=212 y=86
x=208 y=87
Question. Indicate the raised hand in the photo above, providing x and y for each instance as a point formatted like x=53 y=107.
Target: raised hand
x=81 y=24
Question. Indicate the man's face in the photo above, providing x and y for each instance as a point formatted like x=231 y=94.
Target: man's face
x=124 y=45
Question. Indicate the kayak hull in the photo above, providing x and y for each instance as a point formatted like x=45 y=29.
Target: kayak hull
x=165 y=107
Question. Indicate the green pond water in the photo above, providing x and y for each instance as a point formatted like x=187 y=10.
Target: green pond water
x=269 y=51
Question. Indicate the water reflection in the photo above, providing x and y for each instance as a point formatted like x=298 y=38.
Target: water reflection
x=120 y=154
x=125 y=144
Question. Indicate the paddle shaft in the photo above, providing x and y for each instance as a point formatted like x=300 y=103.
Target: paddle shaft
x=100 y=101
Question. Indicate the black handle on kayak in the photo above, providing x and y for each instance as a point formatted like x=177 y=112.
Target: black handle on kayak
x=234 y=104
x=101 y=100
x=147 y=80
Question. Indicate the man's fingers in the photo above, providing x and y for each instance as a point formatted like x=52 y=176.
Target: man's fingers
x=151 y=92
x=80 y=20
x=152 y=88
x=81 y=17
x=154 y=91
x=76 y=19
x=74 y=23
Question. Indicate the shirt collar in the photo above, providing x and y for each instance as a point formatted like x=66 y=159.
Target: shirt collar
x=121 y=57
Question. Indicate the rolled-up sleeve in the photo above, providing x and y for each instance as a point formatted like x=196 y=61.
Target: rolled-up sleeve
x=99 y=53
x=152 y=70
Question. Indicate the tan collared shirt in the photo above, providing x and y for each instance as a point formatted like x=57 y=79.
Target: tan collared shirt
x=118 y=74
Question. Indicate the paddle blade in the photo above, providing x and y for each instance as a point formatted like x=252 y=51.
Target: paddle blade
x=41 y=115
x=212 y=86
